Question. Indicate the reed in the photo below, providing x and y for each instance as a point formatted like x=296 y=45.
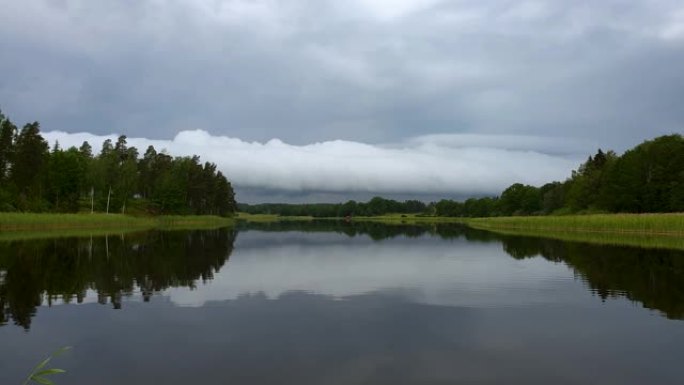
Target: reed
x=645 y=224
x=603 y=238
x=32 y=222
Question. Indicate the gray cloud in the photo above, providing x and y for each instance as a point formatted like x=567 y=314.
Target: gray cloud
x=372 y=71
x=499 y=89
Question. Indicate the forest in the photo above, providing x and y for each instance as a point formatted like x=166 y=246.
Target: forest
x=37 y=178
x=648 y=178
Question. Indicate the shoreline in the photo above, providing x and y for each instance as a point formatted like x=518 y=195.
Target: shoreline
x=664 y=231
x=666 y=225
x=643 y=230
x=43 y=222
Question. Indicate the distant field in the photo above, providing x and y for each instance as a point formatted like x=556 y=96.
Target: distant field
x=31 y=222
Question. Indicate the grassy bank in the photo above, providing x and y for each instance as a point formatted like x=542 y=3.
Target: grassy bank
x=641 y=230
x=30 y=222
x=637 y=224
x=626 y=224
x=603 y=238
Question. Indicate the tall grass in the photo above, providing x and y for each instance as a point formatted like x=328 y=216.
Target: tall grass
x=40 y=373
x=191 y=221
x=642 y=230
x=31 y=222
x=648 y=224
x=25 y=235
x=602 y=238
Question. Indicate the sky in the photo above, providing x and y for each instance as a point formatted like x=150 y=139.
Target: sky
x=324 y=100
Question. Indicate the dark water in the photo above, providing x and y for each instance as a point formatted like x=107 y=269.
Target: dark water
x=335 y=303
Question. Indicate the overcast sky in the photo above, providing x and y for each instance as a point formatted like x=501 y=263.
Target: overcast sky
x=467 y=95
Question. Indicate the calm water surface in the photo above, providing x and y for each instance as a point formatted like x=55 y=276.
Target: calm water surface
x=335 y=303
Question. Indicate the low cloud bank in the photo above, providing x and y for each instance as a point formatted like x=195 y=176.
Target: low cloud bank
x=433 y=164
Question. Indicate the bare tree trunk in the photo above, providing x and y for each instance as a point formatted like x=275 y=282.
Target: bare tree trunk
x=108 y=196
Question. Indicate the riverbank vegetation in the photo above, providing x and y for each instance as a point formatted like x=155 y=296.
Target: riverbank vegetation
x=40 y=225
x=383 y=227
x=664 y=231
x=646 y=230
x=643 y=241
x=655 y=224
x=35 y=178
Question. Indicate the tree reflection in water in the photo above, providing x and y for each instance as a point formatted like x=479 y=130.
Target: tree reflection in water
x=652 y=277
x=43 y=271
x=114 y=266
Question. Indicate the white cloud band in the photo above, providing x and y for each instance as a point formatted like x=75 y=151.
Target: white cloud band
x=436 y=164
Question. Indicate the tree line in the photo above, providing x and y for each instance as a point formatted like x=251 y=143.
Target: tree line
x=374 y=207
x=37 y=178
x=648 y=178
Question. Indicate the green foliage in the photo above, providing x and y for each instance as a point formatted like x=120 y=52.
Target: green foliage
x=66 y=179
x=648 y=178
x=34 y=179
x=28 y=168
x=376 y=206
x=584 y=188
x=39 y=374
x=520 y=199
x=8 y=132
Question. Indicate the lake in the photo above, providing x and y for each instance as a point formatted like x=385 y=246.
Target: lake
x=340 y=303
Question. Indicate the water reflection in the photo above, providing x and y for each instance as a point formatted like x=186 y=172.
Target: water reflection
x=652 y=277
x=319 y=257
x=377 y=338
x=65 y=269
x=341 y=303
